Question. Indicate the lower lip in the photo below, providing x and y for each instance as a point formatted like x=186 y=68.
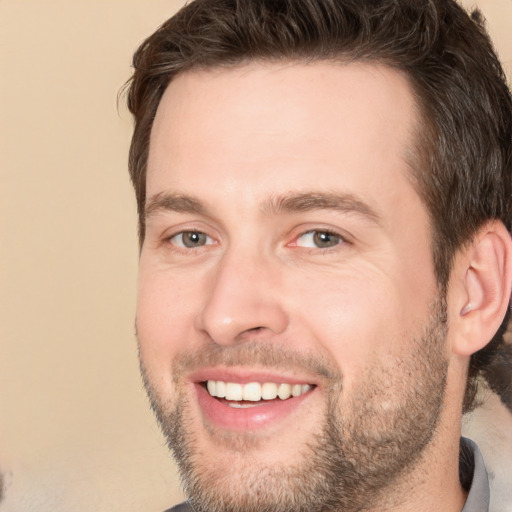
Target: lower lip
x=264 y=414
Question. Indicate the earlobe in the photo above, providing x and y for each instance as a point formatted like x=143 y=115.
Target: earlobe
x=486 y=270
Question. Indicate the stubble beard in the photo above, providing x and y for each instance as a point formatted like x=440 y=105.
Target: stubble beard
x=355 y=456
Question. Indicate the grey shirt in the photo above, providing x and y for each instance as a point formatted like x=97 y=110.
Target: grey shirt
x=478 y=495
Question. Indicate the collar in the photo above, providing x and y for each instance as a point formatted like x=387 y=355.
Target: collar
x=479 y=494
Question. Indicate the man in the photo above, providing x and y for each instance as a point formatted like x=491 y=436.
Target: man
x=325 y=202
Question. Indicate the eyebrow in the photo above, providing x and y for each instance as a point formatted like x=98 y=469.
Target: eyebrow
x=277 y=205
x=172 y=202
x=311 y=201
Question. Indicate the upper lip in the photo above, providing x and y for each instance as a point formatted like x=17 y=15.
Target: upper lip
x=245 y=375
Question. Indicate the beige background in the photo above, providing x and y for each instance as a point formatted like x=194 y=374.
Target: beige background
x=76 y=433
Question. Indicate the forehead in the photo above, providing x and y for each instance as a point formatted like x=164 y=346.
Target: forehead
x=277 y=126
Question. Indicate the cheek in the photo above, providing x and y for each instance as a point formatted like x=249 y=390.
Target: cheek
x=358 y=319
x=164 y=320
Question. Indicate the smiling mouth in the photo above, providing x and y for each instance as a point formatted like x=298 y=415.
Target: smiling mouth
x=254 y=393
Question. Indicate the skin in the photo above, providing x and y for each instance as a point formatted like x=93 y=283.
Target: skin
x=237 y=142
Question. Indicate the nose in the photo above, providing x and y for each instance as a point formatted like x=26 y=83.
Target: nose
x=243 y=299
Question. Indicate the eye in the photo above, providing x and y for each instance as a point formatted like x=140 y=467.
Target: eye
x=319 y=239
x=191 y=239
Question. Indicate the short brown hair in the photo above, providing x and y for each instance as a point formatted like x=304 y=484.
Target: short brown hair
x=463 y=159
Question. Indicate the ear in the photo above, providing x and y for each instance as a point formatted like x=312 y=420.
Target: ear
x=480 y=295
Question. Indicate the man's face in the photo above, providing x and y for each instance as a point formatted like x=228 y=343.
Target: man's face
x=288 y=253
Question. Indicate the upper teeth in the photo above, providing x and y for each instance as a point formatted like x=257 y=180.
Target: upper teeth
x=254 y=391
